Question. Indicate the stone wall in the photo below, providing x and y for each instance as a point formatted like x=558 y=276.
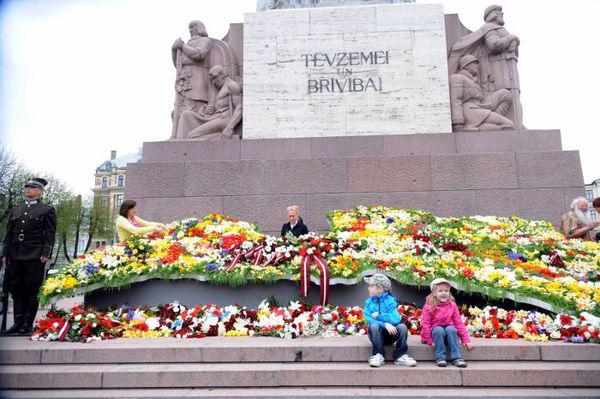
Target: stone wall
x=454 y=174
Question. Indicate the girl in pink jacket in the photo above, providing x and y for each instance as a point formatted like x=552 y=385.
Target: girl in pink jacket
x=441 y=325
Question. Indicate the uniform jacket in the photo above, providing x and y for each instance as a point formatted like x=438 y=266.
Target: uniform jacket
x=30 y=232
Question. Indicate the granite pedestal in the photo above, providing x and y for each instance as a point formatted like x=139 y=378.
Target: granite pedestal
x=451 y=174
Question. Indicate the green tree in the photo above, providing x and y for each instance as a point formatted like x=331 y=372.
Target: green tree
x=76 y=217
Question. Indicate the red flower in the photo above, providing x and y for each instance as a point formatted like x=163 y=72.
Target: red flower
x=454 y=246
x=566 y=320
x=467 y=272
x=421 y=237
x=230 y=241
x=196 y=232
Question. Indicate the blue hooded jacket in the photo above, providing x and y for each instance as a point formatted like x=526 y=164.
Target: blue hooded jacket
x=387 y=307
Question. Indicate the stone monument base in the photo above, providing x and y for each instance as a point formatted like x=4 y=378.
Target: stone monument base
x=192 y=292
x=450 y=174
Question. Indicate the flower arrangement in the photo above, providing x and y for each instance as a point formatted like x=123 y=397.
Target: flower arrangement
x=293 y=321
x=499 y=257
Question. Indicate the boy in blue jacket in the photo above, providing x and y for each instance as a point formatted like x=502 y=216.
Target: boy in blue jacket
x=385 y=325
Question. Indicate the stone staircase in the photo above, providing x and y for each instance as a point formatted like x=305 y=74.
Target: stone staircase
x=261 y=367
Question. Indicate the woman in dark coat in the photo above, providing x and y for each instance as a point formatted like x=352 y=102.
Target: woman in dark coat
x=295 y=224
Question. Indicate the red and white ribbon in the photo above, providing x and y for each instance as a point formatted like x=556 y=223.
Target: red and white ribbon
x=274 y=258
x=255 y=254
x=235 y=261
x=307 y=260
x=64 y=330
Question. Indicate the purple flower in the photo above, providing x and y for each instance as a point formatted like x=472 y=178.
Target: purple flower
x=211 y=267
x=91 y=269
x=515 y=256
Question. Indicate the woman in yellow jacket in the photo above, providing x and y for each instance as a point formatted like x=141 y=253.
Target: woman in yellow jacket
x=128 y=224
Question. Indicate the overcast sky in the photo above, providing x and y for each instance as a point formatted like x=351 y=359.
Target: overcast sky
x=82 y=77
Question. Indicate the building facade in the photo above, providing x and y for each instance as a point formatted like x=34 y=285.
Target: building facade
x=592 y=191
x=109 y=190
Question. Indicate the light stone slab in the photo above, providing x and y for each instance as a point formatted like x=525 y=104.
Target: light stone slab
x=411 y=81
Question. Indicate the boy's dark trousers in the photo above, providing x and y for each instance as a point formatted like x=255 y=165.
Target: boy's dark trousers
x=380 y=337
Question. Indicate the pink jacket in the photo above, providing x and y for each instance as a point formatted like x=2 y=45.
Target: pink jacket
x=445 y=314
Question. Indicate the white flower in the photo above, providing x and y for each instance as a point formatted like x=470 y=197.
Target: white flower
x=295 y=305
x=110 y=261
x=153 y=323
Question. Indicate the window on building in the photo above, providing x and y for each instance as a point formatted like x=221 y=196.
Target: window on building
x=103 y=202
x=589 y=194
x=594 y=215
x=121 y=181
x=105 y=182
x=118 y=199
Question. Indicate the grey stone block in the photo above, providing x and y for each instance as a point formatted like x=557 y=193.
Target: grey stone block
x=410 y=200
x=155 y=180
x=168 y=209
x=530 y=140
x=566 y=352
x=454 y=203
x=433 y=143
x=530 y=374
x=293 y=148
x=223 y=178
x=473 y=171
x=304 y=176
x=190 y=150
x=541 y=204
x=386 y=174
x=336 y=147
x=550 y=169
x=54 y=376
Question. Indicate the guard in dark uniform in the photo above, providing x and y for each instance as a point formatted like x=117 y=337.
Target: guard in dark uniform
x=27 y=247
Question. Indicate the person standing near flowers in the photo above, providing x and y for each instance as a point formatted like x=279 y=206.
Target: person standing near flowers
x=442 y=326
x=128 y=224
x=27 y=247
x=384 y=323
x=296 y=224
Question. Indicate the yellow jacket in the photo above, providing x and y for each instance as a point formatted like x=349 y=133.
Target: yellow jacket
x=126 y=229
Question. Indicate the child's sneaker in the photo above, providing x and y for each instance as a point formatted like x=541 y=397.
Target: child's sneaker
x=459 y=363
x=376 y=360
x=406 y=360
x=441 y=363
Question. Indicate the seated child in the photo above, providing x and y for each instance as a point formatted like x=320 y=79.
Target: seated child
x=442 y=325
x=384 y=323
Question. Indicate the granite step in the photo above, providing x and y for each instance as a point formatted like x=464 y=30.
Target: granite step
x=20 y=350
x=302 y=374
x=302 y=393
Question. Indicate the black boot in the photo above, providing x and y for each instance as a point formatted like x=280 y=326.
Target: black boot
x=19 y=306
x=31 y=312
